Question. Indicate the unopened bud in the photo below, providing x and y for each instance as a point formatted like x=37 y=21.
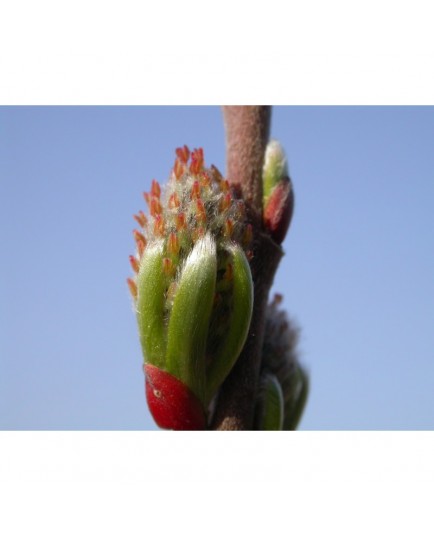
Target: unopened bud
x=278 y=193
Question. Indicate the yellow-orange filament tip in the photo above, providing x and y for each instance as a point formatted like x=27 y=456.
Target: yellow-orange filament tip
x=167 y=266
x=155 y=207
x=134 y=264
x=173 y=244
x=174 y=201
x=155 y=189
x=195 y=190
x=183 y=154
x=181 y=223
x=158 y=225
x=138 y=237
x=141 y=219
x=133 y=288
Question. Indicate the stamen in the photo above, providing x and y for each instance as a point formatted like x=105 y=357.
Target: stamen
x=174 y=201
x=181 y=222
x=183 y=153
x=195 y=190
x=167 y=266
x=155 y=189
x=138 y=237
x=141 y=219
x=158 y=225
x=197 y=161
x=155 y=207
x=173 y=246
x=178 y=169
x=133 y=288
x=134 y=264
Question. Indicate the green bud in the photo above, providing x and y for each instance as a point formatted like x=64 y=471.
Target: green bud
x=190 y=316
x=295 y=405
x=280 y=359
x=270 y=410
x=151 y=284
x=192 y=288
x=278 y=194
x=275 y=168
x=240 y=316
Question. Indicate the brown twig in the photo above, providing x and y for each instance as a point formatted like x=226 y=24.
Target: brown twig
x=247 y=131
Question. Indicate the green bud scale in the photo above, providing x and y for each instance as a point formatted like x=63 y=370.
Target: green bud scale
x=280 y=365
x=192 y=289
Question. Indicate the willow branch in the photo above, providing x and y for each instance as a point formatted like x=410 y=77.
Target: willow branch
x=247 y=132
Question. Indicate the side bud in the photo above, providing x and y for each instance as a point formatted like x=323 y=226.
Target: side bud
x=278 y=193
x=269 y=412
x=280 y=361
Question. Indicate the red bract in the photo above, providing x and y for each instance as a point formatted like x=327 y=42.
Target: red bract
x=172 y=404
x=278 y=210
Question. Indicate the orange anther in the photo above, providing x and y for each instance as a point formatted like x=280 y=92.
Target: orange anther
x=181 y=223
x=197 y=161
x=133 y=288
x=141 y=219
x=155 y=189
x=141 y=248
x=138 y=237
x=134 y=264
x=195 y=190
x=174 y=201
x=158 y=225
x=173 y=244
x=155 y=207
x=147 y=197
x=178 y=169
x=167 y=266
x=183 y=153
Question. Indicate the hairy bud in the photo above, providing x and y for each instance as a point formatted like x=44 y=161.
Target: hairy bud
x=192 y=290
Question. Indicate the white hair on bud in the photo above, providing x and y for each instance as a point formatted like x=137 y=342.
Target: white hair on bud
x=275 y=155
x=204 y=248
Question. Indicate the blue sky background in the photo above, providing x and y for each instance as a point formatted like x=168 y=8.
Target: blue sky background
x=357 y=274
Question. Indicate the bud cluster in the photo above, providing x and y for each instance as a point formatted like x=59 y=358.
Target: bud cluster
x=284 y=383
x=192 y=289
